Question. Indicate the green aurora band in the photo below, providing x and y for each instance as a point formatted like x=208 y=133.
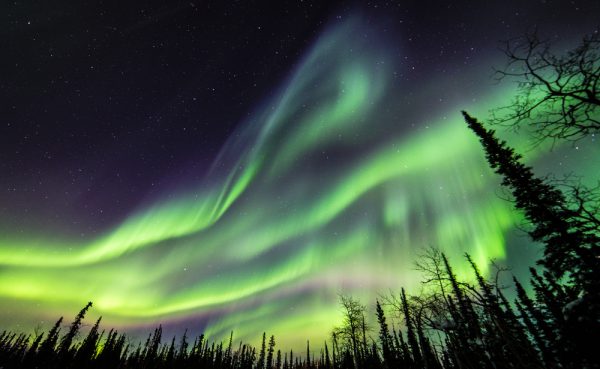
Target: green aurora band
x=335 y=185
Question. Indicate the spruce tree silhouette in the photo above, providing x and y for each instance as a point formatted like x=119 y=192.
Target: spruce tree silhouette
x=67 y=340
x=261 y=358
x=410 y=332
x=384 y=335
x=270 y=352
x=571 y=250
x=571 y=245
x=528 y=337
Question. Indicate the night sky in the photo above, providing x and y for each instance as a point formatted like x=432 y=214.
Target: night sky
x=235 y=166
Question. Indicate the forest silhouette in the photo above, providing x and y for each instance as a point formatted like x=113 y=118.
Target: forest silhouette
x=451 y=323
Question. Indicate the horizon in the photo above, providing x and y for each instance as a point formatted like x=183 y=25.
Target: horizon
x=350 y=160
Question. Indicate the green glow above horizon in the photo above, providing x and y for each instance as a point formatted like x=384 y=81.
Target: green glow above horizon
x=336 y=185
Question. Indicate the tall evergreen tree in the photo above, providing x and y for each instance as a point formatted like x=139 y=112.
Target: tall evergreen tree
x=308 y=364
x=571 y=238
x=47 y=347
x=327 y=359
x=67 y=340
x=278 y=360
x=261 y=356
x=410 y=331
x=572 y=248
x=384 y=335
x=270 y=352
x=87 y=349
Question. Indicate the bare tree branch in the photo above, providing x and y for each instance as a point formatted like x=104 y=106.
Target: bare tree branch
x=559 y=96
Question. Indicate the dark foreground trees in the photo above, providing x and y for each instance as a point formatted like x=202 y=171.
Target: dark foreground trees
x=571 y=257
x=559 y=99
x=572 y=243
x=451 y=323
x=468 y=325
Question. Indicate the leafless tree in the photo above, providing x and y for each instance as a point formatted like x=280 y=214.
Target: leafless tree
x=583 y=202
x=354 y=329
x=559 y=95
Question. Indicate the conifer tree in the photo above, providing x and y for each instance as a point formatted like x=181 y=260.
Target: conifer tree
x=384 y=335
x=467 y=317
x=261 y=357
x=183 y=347
x=570 y=235
x=410 y=331
x=270 y=352
x=86 y=350
x=67 y=340
x=334 y=350
x=308 y=365
x=327 y=359
x=548 y=294
x=572 y=249
x=278 y=360
x=46 y=351
x=31 y=353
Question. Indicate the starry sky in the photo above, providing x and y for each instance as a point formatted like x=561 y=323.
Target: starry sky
x=236 y=165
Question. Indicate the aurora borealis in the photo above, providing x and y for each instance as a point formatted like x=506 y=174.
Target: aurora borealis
x=333 y=182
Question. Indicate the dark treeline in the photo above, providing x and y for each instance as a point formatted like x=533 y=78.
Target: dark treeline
x=450 y=323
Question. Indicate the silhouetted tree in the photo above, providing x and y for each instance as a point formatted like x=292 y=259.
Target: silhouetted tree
x=506 y=338
x=308 y=363
x=278 y=360
x=410 y=331
x=327 y=359
x=384 y=336
x=559 y=95
x=261 y=357
x=351 y=331
x=572 y=246
x=67 y=340
x=46 y=352
x=270 y=352
x=87 y=349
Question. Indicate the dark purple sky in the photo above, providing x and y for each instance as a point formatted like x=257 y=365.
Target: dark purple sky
x=108 y=103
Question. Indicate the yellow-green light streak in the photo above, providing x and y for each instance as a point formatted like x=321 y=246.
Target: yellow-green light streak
x=335 y=184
